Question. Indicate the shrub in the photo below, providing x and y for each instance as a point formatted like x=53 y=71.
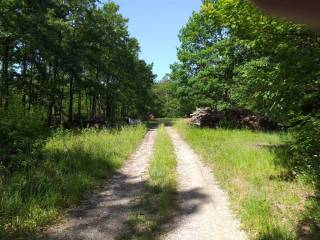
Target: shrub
x=73 y=162
x=305 y=149
x=20 y=132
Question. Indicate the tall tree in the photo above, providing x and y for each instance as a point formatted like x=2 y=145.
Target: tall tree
x=232 y=54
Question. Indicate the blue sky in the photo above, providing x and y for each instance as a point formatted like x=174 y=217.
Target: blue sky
x=156 y=24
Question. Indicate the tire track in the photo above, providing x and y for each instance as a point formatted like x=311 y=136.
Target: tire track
x=103 y=214
x=200 y=218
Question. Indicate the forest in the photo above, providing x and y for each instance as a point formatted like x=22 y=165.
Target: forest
x=66 y=66
x=232 y=54
x=64 y=63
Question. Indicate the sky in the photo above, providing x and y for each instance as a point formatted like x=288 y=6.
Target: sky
x=156 y=25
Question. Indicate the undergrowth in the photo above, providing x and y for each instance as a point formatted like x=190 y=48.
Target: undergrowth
x=72 y=164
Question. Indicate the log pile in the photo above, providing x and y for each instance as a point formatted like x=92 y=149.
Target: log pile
x=237 y=117
x=248 y=119
x=205 y=117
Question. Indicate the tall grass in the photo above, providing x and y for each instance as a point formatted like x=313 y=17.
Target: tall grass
x=73 y=163
x=156 y=205
x=247 y=164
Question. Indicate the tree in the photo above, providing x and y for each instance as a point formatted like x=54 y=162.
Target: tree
x=166 y=103
x=59 y=56
x=232 y=54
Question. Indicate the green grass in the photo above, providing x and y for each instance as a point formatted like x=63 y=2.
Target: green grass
x=268 y=201
x=156 y=205
x=72 y=164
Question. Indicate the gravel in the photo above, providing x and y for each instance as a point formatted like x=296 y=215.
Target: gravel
x=203 y=212
x=103 y=214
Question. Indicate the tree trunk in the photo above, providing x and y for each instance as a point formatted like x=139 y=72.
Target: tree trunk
x=61 y=112
x=71 y=100
x=24 y=81
x=5 y=73
x=88 y=104
x=94 y=99
x=94 y=107
x=50 y=111
x=109 y=114
x=52 y=96
x=31 y=88
x=79 y=105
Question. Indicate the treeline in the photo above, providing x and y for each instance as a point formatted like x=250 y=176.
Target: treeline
x=231 y=54
x=165 y=102
x=74 y=60
x=64 y=64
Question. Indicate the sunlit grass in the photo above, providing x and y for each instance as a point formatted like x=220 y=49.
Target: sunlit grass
x=72 y=164
x=156 y=204
x=248 y=166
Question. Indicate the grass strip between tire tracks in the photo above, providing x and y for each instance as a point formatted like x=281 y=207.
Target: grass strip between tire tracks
x=157 y=204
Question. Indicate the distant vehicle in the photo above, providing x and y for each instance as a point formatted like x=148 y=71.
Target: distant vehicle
x=132 y=121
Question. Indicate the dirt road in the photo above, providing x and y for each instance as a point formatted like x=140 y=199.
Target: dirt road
x=204 y=212
x=103 y=215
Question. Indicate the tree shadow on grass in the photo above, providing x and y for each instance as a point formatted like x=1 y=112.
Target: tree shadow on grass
x=60 y=181
x=308 y=227
x=100 y=215
x=156 y=212
x=276 y=233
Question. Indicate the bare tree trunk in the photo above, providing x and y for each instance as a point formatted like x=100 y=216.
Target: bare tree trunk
x=94 y=100
x=52 y=97
x=31 y=88
x=79 y=105
x=61 y=112
x=94 y=107
x=109 y=114
x=50 y=111
x=71 y=100
x=88 y=105
x=24 y=80
x=5 y=73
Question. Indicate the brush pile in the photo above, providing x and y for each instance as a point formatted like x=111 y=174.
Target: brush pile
x=237 y=117
x=205 y=117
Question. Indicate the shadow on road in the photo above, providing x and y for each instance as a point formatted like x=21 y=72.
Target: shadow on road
x=149 y=220
x=98 y=217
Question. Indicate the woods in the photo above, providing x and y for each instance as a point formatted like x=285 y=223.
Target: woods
x=233 y=55
x=64 y=63
x=72 y=59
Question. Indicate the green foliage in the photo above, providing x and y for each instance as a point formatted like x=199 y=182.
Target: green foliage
x=232 y=54
x=166 y=104
x=305 y=151
x=73 y=163
x=270 y=203
x=20 y=138
x=74 y=58
x=62 y=63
